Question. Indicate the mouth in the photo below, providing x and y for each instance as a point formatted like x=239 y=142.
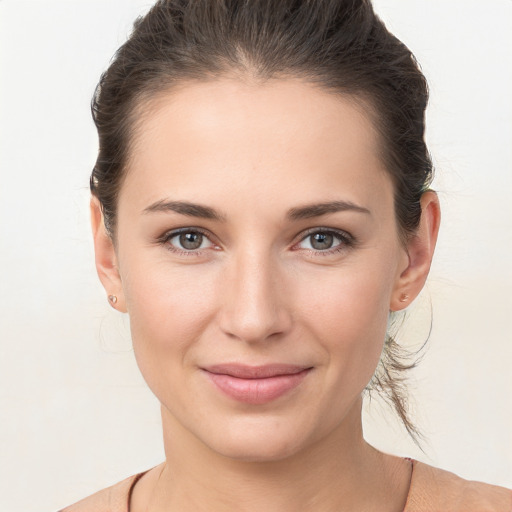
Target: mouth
x=256 y=384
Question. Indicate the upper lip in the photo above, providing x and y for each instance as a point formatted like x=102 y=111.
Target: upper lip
x=243 y=371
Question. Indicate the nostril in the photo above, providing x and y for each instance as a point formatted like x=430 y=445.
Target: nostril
x=254 y=325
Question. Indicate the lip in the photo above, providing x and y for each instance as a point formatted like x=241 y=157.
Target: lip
x=256 y=384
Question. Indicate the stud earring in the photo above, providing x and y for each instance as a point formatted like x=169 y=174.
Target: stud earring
x=404 y=297
x=112 y=299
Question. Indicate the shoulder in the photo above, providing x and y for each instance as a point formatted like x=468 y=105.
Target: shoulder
x=112 y=499
x=433 y=489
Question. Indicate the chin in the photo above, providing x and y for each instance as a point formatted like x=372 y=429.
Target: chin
x=257 y=441
x=257 y=450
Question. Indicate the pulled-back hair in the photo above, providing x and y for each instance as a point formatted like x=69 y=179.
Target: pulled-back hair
x=338 y=45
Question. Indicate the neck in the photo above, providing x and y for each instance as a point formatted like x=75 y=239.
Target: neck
x=333 y=473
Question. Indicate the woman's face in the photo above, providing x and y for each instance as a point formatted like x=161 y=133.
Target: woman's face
x=258 y=257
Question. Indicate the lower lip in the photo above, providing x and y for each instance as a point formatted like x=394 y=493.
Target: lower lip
x=257 y=391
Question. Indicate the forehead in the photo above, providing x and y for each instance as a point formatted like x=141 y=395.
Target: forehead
x=244 y=137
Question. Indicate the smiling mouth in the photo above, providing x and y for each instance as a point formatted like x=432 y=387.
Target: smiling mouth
x=256 y=384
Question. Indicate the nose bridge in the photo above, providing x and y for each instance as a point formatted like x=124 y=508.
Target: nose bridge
x=253 y=308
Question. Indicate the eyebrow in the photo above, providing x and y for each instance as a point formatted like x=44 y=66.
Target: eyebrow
x=316 y=210
x=185 y=208
x=298 y=213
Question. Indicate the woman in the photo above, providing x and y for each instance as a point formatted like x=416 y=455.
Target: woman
x=260 y=208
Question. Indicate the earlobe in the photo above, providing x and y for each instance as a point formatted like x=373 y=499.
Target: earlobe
x=420 y=251
x=105 y=257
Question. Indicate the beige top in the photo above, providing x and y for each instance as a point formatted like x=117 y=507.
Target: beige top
x=431 y=490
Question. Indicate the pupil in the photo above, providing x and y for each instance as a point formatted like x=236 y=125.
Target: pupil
x=191 y=240
x=322 y=241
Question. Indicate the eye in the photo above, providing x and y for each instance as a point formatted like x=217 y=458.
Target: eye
x=186 y=241
x=321 y=241
x=190 y=240
x=327 y=241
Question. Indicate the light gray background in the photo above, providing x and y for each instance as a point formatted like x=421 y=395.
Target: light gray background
x=75 y=415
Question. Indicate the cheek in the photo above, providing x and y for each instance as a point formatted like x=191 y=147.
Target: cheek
x=169 y=308
x=347 y=312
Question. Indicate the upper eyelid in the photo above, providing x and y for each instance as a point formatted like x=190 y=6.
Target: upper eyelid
x=189 y=229
x=173 y=233
x=337 y=232
x=341 y=234
x=320 y=229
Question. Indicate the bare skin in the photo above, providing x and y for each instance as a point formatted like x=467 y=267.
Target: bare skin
x=307 y=482
x=267 y=282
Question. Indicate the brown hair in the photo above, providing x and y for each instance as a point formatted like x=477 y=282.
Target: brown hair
x=339 y=45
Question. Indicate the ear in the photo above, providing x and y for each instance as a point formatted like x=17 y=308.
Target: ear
x=420 y=250
x=105 y=257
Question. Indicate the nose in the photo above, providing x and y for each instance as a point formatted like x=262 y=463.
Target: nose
x=254 y=304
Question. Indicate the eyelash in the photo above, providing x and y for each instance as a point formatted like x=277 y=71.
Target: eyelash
x=346 y=241
x=167 y=237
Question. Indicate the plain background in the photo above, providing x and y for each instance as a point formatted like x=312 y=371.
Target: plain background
x=75 y=415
